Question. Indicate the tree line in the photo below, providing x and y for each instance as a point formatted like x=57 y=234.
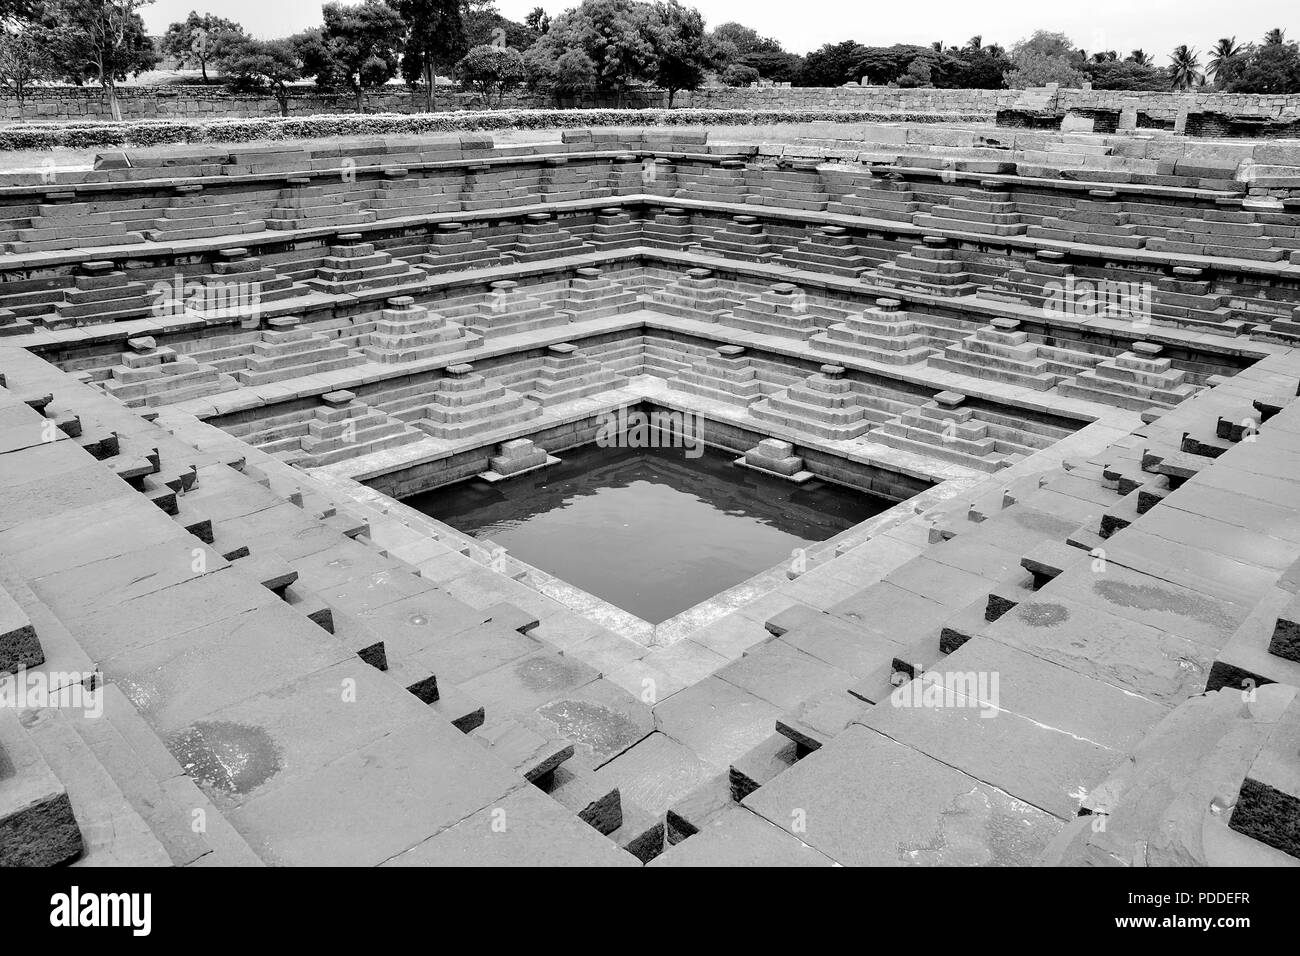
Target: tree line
x=600 y=47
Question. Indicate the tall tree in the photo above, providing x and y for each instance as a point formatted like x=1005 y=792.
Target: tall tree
x=610 y=35
x=1140 y=57
x=23 y=58
x=251 y=64
x=492 y=69
x=358 y=48
x=198 y=39
x=435 y=37
x=1226 y=61
x=1184 y=67
x=538 y=20
x=832 y=65
x=1275 y=37
x=683 y=50
x=102 y=41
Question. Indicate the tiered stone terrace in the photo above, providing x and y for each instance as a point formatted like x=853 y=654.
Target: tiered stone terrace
x=1074 y=372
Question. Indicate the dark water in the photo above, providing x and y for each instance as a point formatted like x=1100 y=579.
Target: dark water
x=649 y=530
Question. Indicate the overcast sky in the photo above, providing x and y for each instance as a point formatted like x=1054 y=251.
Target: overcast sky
x=1156 y=26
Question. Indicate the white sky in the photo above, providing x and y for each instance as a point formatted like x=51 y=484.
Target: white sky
x=1156 y=26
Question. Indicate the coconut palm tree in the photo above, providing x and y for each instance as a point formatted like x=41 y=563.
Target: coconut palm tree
x=1275 y=37
x=1184 y=67
x=1221 y=54
x=1140 y=57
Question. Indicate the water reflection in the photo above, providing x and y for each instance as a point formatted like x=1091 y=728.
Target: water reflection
x=649 y=530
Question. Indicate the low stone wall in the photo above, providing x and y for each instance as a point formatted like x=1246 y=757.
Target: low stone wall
x=155 y=102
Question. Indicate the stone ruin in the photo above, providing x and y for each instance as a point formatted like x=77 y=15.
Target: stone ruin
x=1092 y=565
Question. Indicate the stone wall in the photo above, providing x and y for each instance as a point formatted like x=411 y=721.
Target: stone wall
x=76 y=103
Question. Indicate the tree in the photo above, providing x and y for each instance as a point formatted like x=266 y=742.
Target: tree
x=199 y=38
x=570 y=74
x=23 y=59
x=613 y=40
x=833 y=65
x=492 y=68
x=1275 y=37
x=1140 y=57
x=435 y=36
x=1125 y=75
x=1227 y=60
x=682 y=49
x=1184 y=67
x=1273 y=68
x=739 y=75
x=357 y=49
x=103 y=41
x=1043 y=58
x=251 y=64
x=538 y=20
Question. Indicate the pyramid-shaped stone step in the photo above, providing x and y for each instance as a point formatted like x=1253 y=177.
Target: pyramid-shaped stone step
x=343 y=428
x=697 y=294
x=288 y=350
x=1137 y=379
x=1000 y=351
x=562 y=181
x=724 y=182
x=401 y=193
x=566 y=375
x=150 y=376
x=71 y=225
x=465 y=403
x=873 y=198
x=744 y=237
x=102 y=294
x=883 y=333
x=782 y=309
x=615 y=229
x=798 y=186
x=541 y=237
x=831 y=249
x=406 y=332
x=669 y=228
x=989 y=210
x=195 y=216
x=931 y=268
x=1045 y=281
x=592 y=294
x=942 y=428
x=453 y=247
x=507 y=309
x=303 y=206
x=1099 y=220
x=724 y=375
x=489 y=187
x=824 y=404
x=353 y=266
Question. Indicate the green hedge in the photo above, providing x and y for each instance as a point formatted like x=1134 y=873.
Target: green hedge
x=168 y=132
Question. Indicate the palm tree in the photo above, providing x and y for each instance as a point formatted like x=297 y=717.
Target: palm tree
x=1275 y=37
x=1106 y=56
x=1221 y=56
x=975 y=43
x=1184 y=67
x=1140 y=57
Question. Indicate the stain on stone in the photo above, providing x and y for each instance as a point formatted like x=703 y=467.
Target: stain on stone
x=601 y=728
x=1042 y=521
x=229 y=757
x=978 y=829
x=1043 y=615
x=540 y=673
x=1148 y=597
